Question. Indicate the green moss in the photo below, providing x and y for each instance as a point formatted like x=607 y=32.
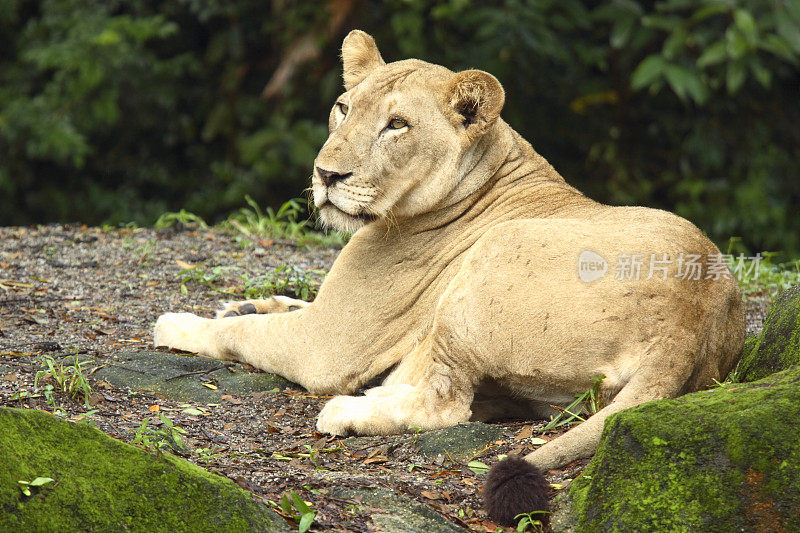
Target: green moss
x=721 y=460
x=102 y=484
x=778 y=345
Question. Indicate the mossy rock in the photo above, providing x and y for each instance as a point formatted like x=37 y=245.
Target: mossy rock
x=726 y=459
x=778 y=345
x=102 y=484
x=181 y=378
x=460 y=442
x=394 y=513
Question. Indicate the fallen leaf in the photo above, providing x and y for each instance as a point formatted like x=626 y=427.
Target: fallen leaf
x=376 y=459
x=526 y=432
x=432 y=495
x=154 y=408
x=16 y=283
x=184 y=265
x=536 y=441
x=478 y=467
x=210 y=385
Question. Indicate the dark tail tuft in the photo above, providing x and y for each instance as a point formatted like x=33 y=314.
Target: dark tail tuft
x=514 y=486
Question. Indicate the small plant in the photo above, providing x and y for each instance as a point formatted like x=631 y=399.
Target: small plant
x=313 y=455
x=19 y=396
x=68 y=379
x=417 y=431
x=207 y=455
x=157 y=439
x=201 y=275
x=182 y=217
x=290 y=221
x=286 y=280
x=587 y=403
x=25 y=486
x=292 y=506
x=527 y=522
x=144 y=251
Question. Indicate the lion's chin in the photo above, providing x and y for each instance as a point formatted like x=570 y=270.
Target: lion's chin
x=334 y=218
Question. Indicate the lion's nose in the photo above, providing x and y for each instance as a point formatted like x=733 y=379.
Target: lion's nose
x=329 y=178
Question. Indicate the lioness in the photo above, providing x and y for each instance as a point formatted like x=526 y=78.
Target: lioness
x=465 y=275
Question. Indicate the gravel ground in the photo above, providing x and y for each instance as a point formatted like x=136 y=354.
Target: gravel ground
x=73 y=290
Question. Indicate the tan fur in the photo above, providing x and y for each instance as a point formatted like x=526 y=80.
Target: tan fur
x=462 y=275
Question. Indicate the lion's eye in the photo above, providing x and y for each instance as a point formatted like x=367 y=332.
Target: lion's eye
x=397 y=123
x=344 y=108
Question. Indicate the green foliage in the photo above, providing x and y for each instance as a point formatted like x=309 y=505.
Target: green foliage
x=293 y=506
x=587 y=403
x=770 y=278
x=182 y=218
x=201 y=275
x=156 y=439
x=207 y=455
x=25 y=486
x=529 y=522
x=286 y=280
x=290 y=221
x=115 y=111
x=67 y=379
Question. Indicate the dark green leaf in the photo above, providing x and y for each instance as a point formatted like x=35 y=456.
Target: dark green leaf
x=648 y=71
x=305 y=521
x=716 y=53
x=735 y=76
x=747 y=24
x=301 y=506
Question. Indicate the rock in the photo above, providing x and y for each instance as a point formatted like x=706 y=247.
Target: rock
x=392 y=512
x=778 y=345
x=181 y=378
x=102 y=484
x=726 y=459
x=459 y=442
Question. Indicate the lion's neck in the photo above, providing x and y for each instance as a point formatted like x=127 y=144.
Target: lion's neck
x=505 y=179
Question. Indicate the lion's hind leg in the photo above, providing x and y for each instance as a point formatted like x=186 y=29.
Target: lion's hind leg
x=274 y=304
x=508 y=491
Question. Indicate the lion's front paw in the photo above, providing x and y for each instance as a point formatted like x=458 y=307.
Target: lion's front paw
x=347 y=414
x=274 y=304
x=382 y=411
x=338 y=416
x=184 y=331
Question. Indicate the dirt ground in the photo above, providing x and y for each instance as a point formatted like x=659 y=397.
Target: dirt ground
x=72 y=290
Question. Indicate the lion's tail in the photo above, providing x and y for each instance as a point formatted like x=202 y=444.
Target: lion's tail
x=515 y=486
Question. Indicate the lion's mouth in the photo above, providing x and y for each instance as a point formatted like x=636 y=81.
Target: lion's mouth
x=363 y=215
x=366 y=217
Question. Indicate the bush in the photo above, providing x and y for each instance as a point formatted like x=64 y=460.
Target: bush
x=117 y=111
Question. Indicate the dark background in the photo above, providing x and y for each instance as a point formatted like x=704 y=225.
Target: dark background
x=117 y=111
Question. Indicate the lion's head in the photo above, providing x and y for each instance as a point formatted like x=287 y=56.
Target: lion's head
x=402 y=137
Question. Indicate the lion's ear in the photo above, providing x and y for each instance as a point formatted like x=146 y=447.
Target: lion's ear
x=477 y=97
x=360 y=56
